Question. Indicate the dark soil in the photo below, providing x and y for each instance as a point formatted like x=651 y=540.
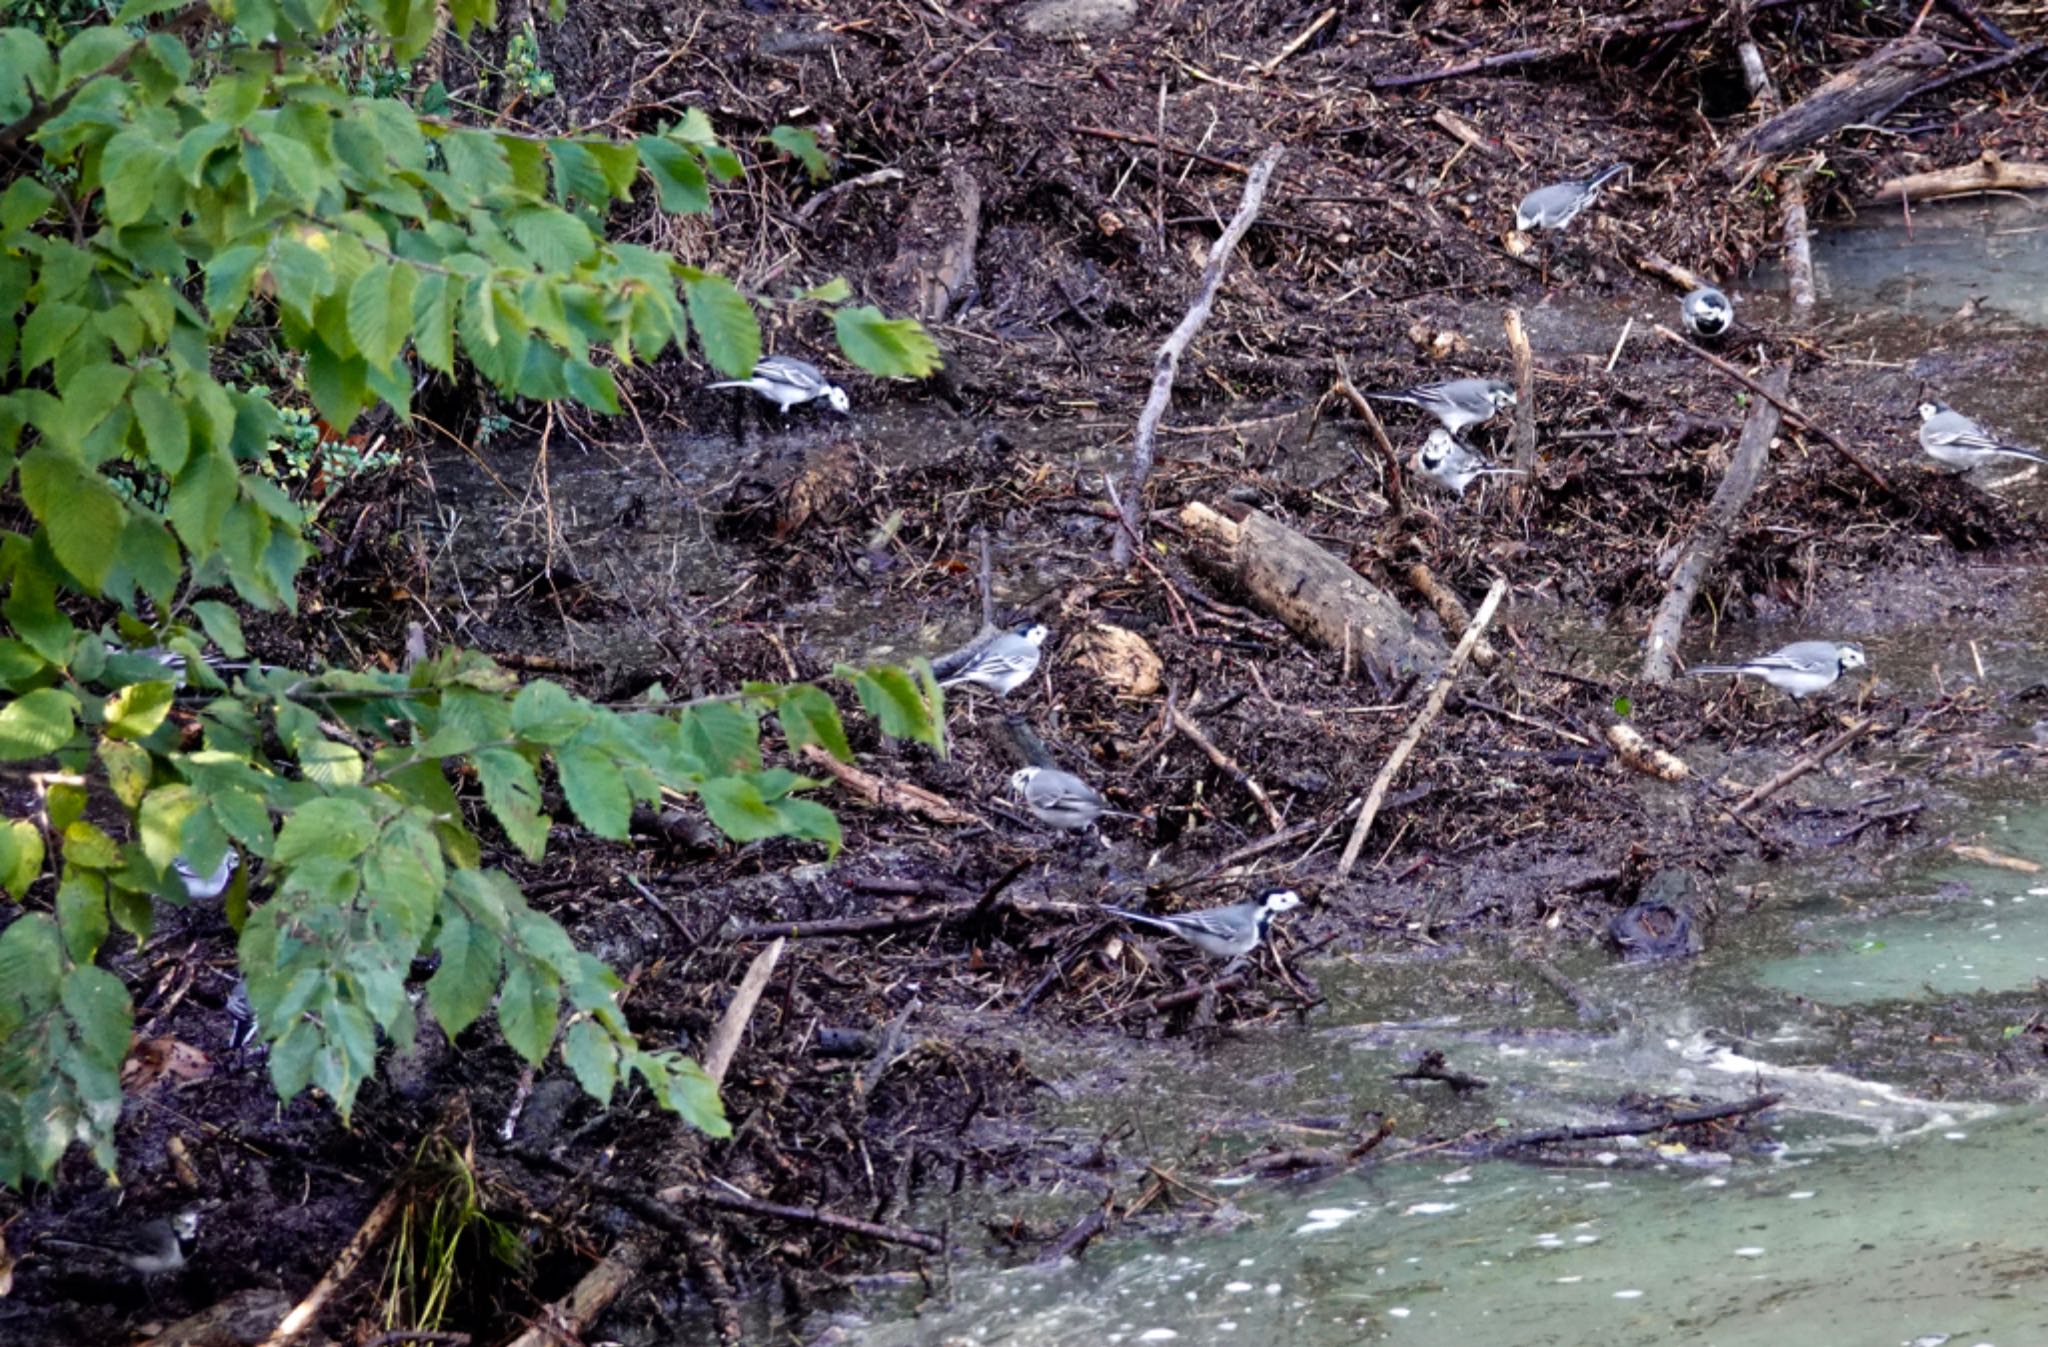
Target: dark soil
x=883 y=1073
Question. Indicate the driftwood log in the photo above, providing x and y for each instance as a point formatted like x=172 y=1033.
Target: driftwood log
x=1315 y=594
x=1871 y=87
x=1703 y=551
x=1986 y=174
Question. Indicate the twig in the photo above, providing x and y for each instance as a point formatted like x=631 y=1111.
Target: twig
x=1508 y=60
x=1153 y=142
x=1525 y=408
x=1971 y=15
x=1791 y=413
x=1710 y=539
x=1187 y=995
x=1430 y=710
x=725 y=1037
x=1688 y=1118
x=812 y=206
x=728 y=1199
x=562 y=1323
x=1810 y=762
x=1076 y=1237
x=366 y=1236
x=1680 y=278
x=878 y=790
x=1371 y=418
x=1798 y=239
x=1582 y=1005
x=1451 y=611
x=1193 y=734
x=1167 y=363
x=1300 y=40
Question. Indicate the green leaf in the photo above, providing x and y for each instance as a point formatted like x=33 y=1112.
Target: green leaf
x=21 y=856
x=557 y=240
x=737 y=809
x=596 y=789
x=136 y=710
x=595 y=388
x=543 y=713
x=513 y=794
x=31 y=964
x=223 y=627
x=433 y=320
x=694 y=1096
x=100 y=1014
x=128 y=770
x=808 y=716
x=834 y=291
x=90 y=51
x=894 y=348
x=722 y=738
x=461 y=988
x=82 y=914
x=131 y=166
x=380 y=312
x=79 y=511
x=678 y=176
x=528 y=1005
x=898 y=705
x=165 y=430
x=333 y=827
x=593 y=1055
x=229 y=278
x=726 y=328
x=803 y=146
x=330 y=763
x=37 y=724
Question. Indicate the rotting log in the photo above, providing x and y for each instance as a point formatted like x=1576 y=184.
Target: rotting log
x=934 y=263
x=1710 y=540
x=1315 y=594
x=1872 y=86
x=1643 y=756
x=1988 y=173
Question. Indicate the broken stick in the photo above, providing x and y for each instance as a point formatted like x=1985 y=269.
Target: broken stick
x=1431 y=709
x=1167 y=363
x=1811 y=762
x=1710 y=540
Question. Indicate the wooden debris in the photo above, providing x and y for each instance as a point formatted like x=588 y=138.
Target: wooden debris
x=1871 y=87
x=878 y=790
x=1524 y=437
x=724 y=1042
x=1429 y=712
x=1681 y=279
x=1811 y=762
x=1998 y=859
x=1703 y=550
x=1193 y=734
x=1315 y=594
x=1639 y=753
x=1450 y=610
x=1119 y=659
x=1987 y=173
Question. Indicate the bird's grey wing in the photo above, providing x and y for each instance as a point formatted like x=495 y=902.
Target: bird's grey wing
x=953 y=661
x=1222 y=922
x=789 y=372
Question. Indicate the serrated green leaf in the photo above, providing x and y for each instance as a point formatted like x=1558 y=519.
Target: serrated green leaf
x=544 y=713
x=166 y=432
x=808 y=716
x=726 y=328
x=333 y=827
x=330 y=763
x=894 y=348
x=595 y=388
x=21 y=856
x=88 y=845
x=893 y=698
x=722 y=737
x=737 y=809
x=797 y=142
x=31 y=963
x=36 y=724
x=136 y=710
x=835 y=291
x=596 y=789
x=223 y=627
x=557 y=241
x=433 y=321
x=513 y=794
x=678 y=176
x=82 y=914
x=528 y=1006
x=694 y=1097
x=593 y=1055
x=380 y=312
x=128 y=769
x=131 y=165
x=101 y=1017
x=461 y=988
x=229 y=278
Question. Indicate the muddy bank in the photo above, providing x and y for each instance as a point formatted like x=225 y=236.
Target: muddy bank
x=1046 y=202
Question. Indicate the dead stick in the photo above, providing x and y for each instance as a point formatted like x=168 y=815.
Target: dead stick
x=1691 y=1117
x=878 y=790
x=1371 y=418
x=1430 y=710
x=1792 y=413
x=1525 y=409
x=307 y=1310
x=1451 y=611
x=726 y=1200
x=1798 y=240
x=1167 y=363
x=725 y=1037
x=1153 y=142
x=1703 y=551
x=562 y=1323
x=1193 y=733
x=1188 y=995
x=1810 y=762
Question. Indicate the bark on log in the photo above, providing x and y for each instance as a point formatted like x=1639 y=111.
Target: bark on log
x=1987 y=174
x=1316 y=595
x=1711 y=540
x=1871 y=86
x=934 y=263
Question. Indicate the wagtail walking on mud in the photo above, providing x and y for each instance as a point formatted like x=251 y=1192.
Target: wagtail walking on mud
x=1453 y=464
x=788 y=382
x=151 y=1248
x=1954 y=439
x=1060 y=799
x=1457 y=403
x=1552 y=208
x=1802 y=668
x=1707 y=313
x=1222 y=932
x=1001 y=664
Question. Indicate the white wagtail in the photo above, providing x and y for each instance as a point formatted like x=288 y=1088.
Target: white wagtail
x=1001 y=664
x=1458 y=403
x=151 y=1248
x=200 y=887
x=788 y=382
x=1802 y=668
x=242 y=1021
x=1552 y=208
x=1060 y=799
x=1952 y=438
x=1453 y=464
x=1222 y=932
x=1707 y=313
